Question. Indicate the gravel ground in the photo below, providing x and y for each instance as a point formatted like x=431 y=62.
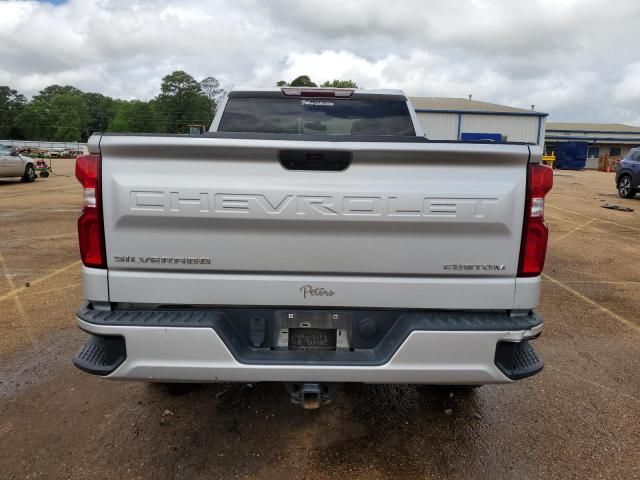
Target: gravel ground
x=580 y=418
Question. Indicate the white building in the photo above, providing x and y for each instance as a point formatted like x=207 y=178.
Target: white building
x=603 y=139
x=460 y=119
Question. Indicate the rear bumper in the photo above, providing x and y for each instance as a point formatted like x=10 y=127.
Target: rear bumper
x=192 y=347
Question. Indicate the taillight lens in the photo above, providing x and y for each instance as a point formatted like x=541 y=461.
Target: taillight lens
x=90 y=227
x=535 y=233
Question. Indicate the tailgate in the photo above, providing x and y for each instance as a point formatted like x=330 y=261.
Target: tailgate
x=221 y=222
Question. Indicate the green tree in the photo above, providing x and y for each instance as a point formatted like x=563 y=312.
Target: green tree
x=65 y=113
x=11 y=104
x=213 y=90
x=71 y=118
x=48 y=93
x=102 y=110
x=305 y=81
x=58 y=113
x=34 y=122
x=181 y=103
x=134 y=116
x=302 y=81
x=340 y=84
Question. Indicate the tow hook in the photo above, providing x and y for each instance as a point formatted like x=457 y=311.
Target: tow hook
x=309 y=395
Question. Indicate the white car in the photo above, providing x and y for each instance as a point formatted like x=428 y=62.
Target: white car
x=12 y=164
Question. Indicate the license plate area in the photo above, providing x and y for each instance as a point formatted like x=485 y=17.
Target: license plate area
x=312 y=339
x=312 y=330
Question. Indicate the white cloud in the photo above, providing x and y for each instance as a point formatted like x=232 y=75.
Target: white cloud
x=575 y=59
x=628 y=89
x=419 y=72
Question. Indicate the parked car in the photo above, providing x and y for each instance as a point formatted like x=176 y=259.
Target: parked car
x=628 y=174
x=312 y=236
x=56 y=152
x=12 y=164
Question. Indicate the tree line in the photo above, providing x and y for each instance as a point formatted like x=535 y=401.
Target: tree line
x=305 y=81
x=67 y=114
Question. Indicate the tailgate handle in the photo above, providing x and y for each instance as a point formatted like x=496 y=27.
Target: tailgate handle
x=331 y=161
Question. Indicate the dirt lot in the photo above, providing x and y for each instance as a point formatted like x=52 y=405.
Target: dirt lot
x=580 y=418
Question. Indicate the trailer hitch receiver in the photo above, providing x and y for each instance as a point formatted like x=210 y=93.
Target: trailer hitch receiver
x=309 y=395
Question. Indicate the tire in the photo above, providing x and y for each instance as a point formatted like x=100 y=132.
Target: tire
x=44 y=174
x=625 y=190
x=29 y=173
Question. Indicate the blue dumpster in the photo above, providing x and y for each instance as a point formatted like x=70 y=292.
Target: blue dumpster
x=571 y=155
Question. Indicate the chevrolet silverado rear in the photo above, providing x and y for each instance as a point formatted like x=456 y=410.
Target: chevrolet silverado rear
x=312 y=236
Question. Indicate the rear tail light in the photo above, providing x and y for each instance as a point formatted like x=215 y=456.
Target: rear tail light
x=318 y=92
x=535 y=233
x=90 y=227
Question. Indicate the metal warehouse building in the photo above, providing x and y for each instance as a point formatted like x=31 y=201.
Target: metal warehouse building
x=611 y=140
x=467 y=119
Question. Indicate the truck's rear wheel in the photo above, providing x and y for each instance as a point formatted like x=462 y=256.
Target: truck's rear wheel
x=29 y=174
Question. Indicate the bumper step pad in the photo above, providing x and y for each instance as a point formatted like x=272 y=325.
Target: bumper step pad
x=518 y=360
x=101 y=355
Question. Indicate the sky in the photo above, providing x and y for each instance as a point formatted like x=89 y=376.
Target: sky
x=578 y=60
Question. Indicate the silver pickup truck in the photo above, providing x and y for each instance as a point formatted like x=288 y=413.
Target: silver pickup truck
x=313 y=236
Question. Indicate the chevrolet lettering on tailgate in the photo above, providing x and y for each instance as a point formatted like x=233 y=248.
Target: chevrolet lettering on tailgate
x=351 y=205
